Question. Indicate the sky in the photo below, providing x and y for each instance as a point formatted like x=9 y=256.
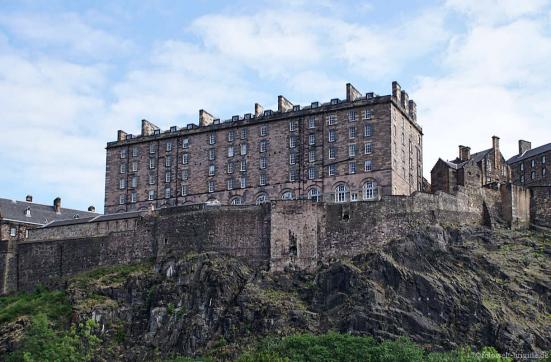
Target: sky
x=74 y=72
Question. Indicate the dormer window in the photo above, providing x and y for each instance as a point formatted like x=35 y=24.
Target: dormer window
x=76 y=216
x=28 y=212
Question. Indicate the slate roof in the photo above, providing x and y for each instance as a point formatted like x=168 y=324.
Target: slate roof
x=530 y=153
x=97 y=218
x=476 y=157
x=39 y=214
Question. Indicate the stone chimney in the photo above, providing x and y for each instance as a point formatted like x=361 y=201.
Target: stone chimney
x=205 y=118
x=412 y=110
x=464 y=153
x=397 y=92
x=91 y=209
x=258 y=110
x=57 y=205
x=352 y=93
x=405 y=100
x=524 y=146
x=29 y=198
x=121 y=135
x=283 y=104
x=148 y=128
x=495 y=146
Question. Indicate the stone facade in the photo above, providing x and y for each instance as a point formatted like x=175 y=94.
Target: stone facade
x=362 y=147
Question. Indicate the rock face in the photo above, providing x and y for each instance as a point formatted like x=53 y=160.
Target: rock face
x=442 y=287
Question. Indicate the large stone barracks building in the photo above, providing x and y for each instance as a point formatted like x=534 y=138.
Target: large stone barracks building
x=359 y=148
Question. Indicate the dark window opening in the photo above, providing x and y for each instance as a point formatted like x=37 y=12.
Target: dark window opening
x=292 y=244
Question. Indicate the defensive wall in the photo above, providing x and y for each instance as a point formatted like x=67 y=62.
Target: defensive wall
x=273 y=236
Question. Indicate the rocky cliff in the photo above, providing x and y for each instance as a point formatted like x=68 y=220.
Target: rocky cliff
x=443 y=287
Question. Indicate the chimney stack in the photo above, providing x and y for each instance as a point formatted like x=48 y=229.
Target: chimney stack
x=405 y=100
x=57 y=205
x=352 y=93
x=258 y=110
x=205 y=118
x=412 y=110
x=29 y=198
x=91 y=209
x=283 y=104
x=121 y=135
x=495 y=146
x=524 y=146
x=397 y=92
x=148 y=128
x=464 y=153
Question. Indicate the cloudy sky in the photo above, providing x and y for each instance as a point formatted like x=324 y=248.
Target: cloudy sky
x=73 y=73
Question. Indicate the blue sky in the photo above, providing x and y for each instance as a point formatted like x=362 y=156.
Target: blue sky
x=73 y=72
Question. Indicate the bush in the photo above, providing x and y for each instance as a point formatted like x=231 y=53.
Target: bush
x=51 y=303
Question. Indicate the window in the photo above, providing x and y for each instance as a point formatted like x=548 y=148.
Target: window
x=151 y=195
x=367 y=114
x=167 y=193
x=352 y=132
x=332 y=170
x=185 y=174
x=543 y=159
x=292 y=175
x=263 y=131
x=134 y=182
x=212 y=170
x=263 y=179
x=263 y=163
x=311 y=156
x=211 y=186
x=311 y=122
x=230 y=151
x=353 y=196
x=543 y=172
x=122 y=199
x=243 y=167
x=152 y=179
x=351 y=116
x=522 y=178
x=292 y=142
x=260 y=199
x=367 y=165
x=293 y=126
x=352 y=150
x=212 y=154
x=231 y=135
x=340 y=193
x=122 y=183
x=185 y=143
x=237 y=200
x=123 y=168
x=185 y=158
x=351 y=167
x=369 y=190
x=167 y=176
x=229 y=184
x=332 y=119
x=134 y=166
x=332 y=136
x=403 y=138
x=168 y=161
x=292 y=158
x=332 y=153
x=263 y=145
x=123 y=153
x=314 y=194
x=168 y=146
x=312 y=139
x=133 y=197
x=243 y=149
x=152 y=148
x=522 y=167
x=368 y=130
x=13 y=232
x=183 y=190
x=134 y=151
x=533 y=163
x=533 y=175
x=311 y=173
x=230 y=167
x=287 y=195
x=212 y=138
x=243 y=182
x=368 y=148
x=244 y=133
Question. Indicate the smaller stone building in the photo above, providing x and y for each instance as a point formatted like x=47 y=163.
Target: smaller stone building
x=483 y=168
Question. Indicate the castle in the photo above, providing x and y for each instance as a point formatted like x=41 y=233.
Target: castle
x=362 y=157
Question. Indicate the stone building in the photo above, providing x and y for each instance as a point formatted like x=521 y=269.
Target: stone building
x=359 y=148
x=16 y=217
x=470 y=170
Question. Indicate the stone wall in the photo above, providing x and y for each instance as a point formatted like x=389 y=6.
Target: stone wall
x=516 y=205
x=540 y=205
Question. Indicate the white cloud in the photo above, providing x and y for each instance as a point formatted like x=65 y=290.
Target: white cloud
x=496 y=11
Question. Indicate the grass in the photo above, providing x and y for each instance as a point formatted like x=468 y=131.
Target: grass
x=109 y=275
x=53 y=304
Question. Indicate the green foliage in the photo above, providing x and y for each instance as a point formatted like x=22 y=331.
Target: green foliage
x=42 y=343
x=51 y=303
x=111 y=274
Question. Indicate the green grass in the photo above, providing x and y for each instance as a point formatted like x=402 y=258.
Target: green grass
x=53 y=304
x=111 y=274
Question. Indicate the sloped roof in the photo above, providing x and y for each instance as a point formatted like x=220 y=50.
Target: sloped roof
x=39 y=214
x=530 y=153
x=96 y=218
x=475 y=157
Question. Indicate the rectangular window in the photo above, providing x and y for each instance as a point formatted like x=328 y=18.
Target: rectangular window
x=212 y=138
x=185 y=143
x=183 y=190
x=185 y=158
x=293 y=126
x=543 y=159
x=230 y=167
x=533 y=175
x=122 y=183
x=263 y=131
x=134 y=182
x=152 y=179
x=168 y=161
x=185 y=174
x=533 y=163
x=354 y=196
x=134 y=166
x=122 y=199
x=292 y=175
x=367 y=114
x=367 y=165
x=167 y=176
x=368 y=130
x=229 y=184
x=152 y=148
x=262 y=179
x=292 y=158
x=368 y=148
x=311 y=122
x=312 y=139
x=243 y=165
x=332 y=119
x=230 y=151
x=243 y=149
x=133 y=197
x=332 y=136
x=134 y=151
x=211 y=186
x=351 y=167
x=151 y=195
x=212 y=170
x=543 y=172
x=311 y=156
x=292 y=142
x=351 y=116
x=168 y=146
x=263 y=163
x=522 y=178
x=212 y=154
x=263 y=146
x=167 y=193
x=123 y=168
x=231 y=135
x=332 y=153
x=352 y=150
x=244 y=133
x=332 y=170
x=352 y=132
x=123 y=153
x=243 y=182
x=311 y=173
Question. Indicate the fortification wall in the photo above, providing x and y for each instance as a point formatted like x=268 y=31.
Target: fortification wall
x=540 y=205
